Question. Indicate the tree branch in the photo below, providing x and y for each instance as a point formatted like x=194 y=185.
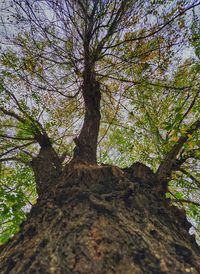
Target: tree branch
x=12 y=114
x=14 y=159
x=17 y=147
x=166 y=167
x=190 y=176
x=183 y=158
x=158 y=30
x=185 y=201
x=16 y=138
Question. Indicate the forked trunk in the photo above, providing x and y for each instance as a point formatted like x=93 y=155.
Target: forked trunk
x=96 y=219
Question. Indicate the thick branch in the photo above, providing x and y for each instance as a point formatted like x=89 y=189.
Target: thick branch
x=39 y=134
x=12 y=114
x=183 y=158
x=190 y=176
x=166 y=167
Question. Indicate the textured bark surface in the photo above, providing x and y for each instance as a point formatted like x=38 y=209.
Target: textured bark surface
x=47 y=168
x=86 y=142
x=100 y=219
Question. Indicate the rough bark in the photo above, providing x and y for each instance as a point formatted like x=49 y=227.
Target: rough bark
x=86 y=143
x=46 y=167
x=101 y=219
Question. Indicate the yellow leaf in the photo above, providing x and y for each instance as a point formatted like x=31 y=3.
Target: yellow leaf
x=183 y=130
x=189 y=136
x=175 y=139
x=191 y=144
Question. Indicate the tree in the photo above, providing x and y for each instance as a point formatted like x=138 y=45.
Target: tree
x=82 y=64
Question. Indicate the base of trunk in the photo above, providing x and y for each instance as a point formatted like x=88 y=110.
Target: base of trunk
x=95 y=220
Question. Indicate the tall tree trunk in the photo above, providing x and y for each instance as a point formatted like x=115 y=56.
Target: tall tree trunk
x=86 y=143
x=94 y=219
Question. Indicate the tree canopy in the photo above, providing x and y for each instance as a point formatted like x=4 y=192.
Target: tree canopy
x=139 y=58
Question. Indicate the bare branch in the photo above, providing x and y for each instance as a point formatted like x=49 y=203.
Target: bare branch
x=15 y=159
x=185 y=201
x=12 y=114
x=190 y=176
x=15 y=138
x=158 y=30
x=15 y=148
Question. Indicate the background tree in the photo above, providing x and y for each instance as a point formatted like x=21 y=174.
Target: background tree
x=71 y=65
